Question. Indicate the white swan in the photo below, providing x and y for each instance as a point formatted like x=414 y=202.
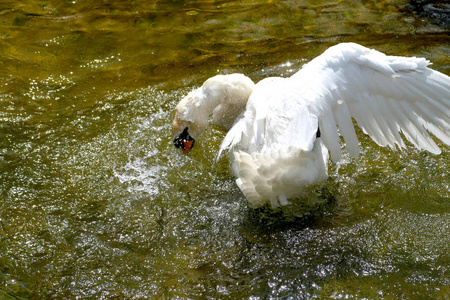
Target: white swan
x=282 y=129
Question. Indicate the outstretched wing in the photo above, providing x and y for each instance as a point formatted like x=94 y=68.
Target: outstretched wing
x=386 y=95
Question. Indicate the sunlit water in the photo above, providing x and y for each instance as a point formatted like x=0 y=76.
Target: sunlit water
x=96 y=203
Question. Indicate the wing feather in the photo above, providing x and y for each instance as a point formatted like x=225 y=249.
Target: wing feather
x=412 y=130
x=386 y=95
x=344 y=120
x=393 y=126
x=329 y=134
x=423 y=138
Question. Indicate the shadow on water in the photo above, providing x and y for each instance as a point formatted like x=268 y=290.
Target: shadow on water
x=294 y=252
x=304 y=212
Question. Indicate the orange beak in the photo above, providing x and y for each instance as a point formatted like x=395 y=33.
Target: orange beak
x=187 y=146
x=184 y=141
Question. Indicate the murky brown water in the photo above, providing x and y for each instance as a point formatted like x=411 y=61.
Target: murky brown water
x=95 y=202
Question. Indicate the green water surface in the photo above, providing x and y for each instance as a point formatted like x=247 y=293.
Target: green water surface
x=95 y=203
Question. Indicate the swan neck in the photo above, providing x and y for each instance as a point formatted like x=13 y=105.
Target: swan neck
x=223 y=96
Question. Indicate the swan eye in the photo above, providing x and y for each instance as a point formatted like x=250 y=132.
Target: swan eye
x=184 y=141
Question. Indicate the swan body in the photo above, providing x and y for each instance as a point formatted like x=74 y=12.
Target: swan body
x=284 y=128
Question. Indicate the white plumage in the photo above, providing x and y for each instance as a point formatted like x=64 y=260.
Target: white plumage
x=277 y=148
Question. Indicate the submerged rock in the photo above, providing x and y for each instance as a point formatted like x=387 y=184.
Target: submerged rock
x=437 y=12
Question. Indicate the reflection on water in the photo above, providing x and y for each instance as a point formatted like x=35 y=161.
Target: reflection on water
x=95 y=202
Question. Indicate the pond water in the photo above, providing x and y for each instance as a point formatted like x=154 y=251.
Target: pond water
x=97 y=204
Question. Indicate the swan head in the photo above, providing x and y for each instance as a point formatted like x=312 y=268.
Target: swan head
x=184 y=141
x=189 y=122
x=223 y=96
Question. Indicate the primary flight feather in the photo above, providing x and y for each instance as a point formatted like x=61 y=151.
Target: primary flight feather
x=282 y=129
